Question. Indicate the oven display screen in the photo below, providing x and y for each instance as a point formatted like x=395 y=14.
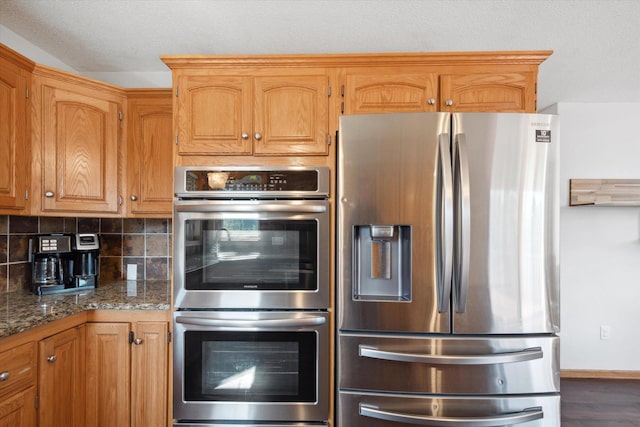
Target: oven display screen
x=250 y=366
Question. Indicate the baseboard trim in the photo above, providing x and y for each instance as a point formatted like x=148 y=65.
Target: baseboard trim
x=618 y=375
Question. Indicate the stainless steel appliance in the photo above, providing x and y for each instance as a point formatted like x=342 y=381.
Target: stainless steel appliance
x=251 y=238
x=251 y=291
x=252 y=366
x=64 y=262
x=447 y=270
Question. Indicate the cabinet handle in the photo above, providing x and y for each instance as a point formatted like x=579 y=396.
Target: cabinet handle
x=4 y=376
x=244 y=135
x=257 y=136
x=48 y=194
x=448 y=102
x=52 y=358
x=431 y=101
x=137 y=341
x=133 y=198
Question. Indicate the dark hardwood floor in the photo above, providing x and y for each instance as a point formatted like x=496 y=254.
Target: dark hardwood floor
x=600 y=402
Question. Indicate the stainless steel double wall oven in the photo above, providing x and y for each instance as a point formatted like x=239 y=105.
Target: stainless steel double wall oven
x=251 y=292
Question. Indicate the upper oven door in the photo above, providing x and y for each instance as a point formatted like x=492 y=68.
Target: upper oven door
x=251 y=254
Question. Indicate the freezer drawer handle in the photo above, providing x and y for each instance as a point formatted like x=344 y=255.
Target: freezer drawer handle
x=443 y=359
x=251 y=323
x=524 y=416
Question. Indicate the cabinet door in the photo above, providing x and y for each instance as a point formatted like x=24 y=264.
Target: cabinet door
x=108 y=373
x=214 y=115
x=14 y=165
x=79 y=152
x=388 y=91
x=291 y=115
x=61 y=382
x=149 y=375
x=494 y=92
x=150 y=155
x=19 y=410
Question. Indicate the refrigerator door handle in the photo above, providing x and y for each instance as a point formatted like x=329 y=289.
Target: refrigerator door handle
x=526 y=415
x=444 y=224
x=444 y=359
x=463 y=222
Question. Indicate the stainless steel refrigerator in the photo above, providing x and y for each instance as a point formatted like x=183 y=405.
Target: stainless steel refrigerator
x=447 y=270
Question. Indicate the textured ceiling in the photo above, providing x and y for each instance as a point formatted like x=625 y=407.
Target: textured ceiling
x=592 y=39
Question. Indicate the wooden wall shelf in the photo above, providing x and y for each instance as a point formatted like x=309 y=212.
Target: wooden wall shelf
x=604 y=192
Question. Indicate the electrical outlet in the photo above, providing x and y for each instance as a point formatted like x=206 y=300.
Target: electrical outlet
x=605 y=332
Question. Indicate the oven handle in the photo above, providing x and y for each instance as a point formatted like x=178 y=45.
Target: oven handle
x=250 y=323
x=240 y=207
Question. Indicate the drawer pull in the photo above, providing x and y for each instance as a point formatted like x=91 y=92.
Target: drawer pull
x=4 y=376
x=52 y=358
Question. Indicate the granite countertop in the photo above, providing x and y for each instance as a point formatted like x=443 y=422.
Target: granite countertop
x=22 y=310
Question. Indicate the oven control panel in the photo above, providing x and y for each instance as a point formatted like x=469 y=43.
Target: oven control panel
x=212 y=181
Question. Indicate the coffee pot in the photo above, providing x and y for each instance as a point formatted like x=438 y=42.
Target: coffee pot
x=64 y=262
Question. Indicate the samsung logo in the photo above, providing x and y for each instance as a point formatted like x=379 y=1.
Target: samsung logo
x=250 y=286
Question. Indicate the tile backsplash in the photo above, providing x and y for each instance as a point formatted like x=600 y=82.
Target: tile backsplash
x=124 y=241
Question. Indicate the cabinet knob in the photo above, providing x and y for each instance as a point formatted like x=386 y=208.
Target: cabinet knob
x=133 y=198
x=52 y=358
x=4 y=376
x=431 y=101
x=48 y=194
x=244 y=135
x=257 y=136
x=137 y=341
x=448 y=102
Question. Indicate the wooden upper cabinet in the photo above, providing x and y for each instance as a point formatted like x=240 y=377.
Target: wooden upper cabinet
x=15 y=152
x=79 y=145
x=149 y=152
x=214 y=115
x=245 y=115
x=496 y=92
x=389 y=91
x=291 y=115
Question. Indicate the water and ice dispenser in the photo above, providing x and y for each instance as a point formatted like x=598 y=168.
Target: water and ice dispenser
x=382 y=262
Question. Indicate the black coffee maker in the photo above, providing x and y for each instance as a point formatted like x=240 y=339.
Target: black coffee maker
x=51 y=263
x=86 y=260
x=64 y=263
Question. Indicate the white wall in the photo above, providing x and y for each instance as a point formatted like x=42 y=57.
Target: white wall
x=599 y=246
x=31 y=51
x=123 y=79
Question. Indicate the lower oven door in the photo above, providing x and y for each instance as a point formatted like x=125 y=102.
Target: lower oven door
x=251 y=366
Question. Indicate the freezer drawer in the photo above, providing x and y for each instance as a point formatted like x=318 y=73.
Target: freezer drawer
x=469 y=365
x=395 y=410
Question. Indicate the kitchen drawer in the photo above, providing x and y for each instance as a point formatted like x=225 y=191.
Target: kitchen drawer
x=17 y=369
x=449 y=364
x=357 y=409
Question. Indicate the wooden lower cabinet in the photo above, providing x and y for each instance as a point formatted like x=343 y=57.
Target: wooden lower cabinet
x=61 y=379
x=18 y=410
x=127 y=374
x=149 y=375
x=108 y=373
